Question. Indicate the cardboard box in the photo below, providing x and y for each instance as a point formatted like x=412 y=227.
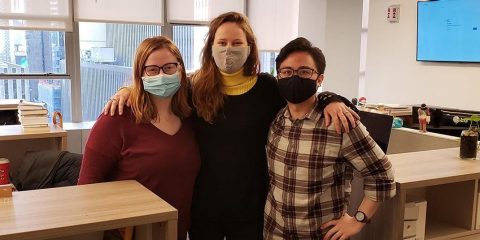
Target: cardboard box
x=6 y=190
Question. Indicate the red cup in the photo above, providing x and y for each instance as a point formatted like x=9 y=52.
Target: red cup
x=4 y=168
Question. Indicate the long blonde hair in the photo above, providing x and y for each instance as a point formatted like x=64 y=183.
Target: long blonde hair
x=143 y=106
x=207 y=86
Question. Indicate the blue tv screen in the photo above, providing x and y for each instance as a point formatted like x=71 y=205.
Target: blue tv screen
x=448 y=31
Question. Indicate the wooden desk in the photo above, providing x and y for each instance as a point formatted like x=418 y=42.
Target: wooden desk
x=15 y=142
x=435 y=167
x=448 y=184
x=68 y=211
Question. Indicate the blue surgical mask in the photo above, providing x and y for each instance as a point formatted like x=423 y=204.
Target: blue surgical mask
x=162 y=85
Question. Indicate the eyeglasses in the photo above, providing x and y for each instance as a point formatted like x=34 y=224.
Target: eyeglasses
x=303 y=72
x=153 y=70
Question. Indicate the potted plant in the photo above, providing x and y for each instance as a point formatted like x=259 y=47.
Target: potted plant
x=469 y=137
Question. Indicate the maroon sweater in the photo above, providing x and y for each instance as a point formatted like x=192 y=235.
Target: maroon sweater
x=120 y=149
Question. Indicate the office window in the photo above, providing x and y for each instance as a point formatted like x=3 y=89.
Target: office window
x=24 y=53
x=190 y=40
x=267 y=62
x=31 y=52
x=54 y=92
x=106 y=57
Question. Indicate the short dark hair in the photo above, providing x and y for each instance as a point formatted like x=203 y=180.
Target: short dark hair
x=302 y=45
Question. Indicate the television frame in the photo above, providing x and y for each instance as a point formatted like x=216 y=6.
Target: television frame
x=416 y=48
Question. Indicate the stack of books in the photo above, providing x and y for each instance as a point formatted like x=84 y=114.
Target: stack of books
x=32 y=115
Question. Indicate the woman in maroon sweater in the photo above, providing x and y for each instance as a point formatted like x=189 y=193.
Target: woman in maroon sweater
x=153 y=142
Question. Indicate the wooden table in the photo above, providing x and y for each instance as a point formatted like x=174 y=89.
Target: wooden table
x=15 y=141
x=435 y=167
x=80 y=210
x=450 y=186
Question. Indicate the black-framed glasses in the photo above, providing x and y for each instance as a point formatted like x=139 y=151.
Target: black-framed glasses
x=153 y=70
x=303 y=72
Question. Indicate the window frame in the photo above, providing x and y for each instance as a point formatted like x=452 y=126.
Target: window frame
x=69 y=69
x=172 y=25
x=73 y=62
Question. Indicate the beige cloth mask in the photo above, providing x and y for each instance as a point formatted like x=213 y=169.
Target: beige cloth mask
x=230 y=59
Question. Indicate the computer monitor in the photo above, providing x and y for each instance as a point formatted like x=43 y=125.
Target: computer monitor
x=379 y=126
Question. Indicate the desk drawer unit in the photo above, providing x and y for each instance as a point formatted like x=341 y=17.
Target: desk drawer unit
x=415 y=220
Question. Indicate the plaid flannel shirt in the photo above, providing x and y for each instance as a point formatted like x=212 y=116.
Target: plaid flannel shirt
x=311 y=168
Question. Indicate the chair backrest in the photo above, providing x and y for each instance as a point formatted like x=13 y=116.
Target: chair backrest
x=379 y=126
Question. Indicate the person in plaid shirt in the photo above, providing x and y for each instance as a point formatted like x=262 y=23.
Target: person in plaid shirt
x=311 y=165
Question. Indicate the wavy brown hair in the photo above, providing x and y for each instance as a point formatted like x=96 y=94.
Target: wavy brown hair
x=207 y=86
x=143 y=106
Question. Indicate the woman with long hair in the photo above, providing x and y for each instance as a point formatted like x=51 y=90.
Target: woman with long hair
x=153 y=142
x=234 y=106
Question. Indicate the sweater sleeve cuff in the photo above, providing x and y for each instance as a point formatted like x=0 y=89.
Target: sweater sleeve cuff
x=326 y=98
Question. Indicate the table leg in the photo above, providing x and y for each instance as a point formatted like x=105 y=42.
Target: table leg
x=62 y=144
x=157 y=231
x=170 y=230
x=144 y=232
x=398 y=213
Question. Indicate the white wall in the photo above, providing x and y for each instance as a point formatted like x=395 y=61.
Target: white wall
x=342 y=46
x=394 y=76
x=312 y=21
x=335 y=27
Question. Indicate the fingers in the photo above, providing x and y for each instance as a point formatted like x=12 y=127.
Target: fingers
x=354 y=114
x=329 y=224
x=344 y=237
x=344 y=122
x=337 y=235
x=337 y=124
x=124 y=94
x=121 y=103
x=107 y=107
x=330 y=233
x=113 y=106
x=351 y=119
x=327 y=119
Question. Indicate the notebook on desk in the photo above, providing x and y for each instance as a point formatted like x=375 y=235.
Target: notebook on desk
x=379 y=126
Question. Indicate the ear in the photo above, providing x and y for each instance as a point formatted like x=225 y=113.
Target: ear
x=320 y=80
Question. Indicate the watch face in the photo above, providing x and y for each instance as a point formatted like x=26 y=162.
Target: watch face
x=360 y=216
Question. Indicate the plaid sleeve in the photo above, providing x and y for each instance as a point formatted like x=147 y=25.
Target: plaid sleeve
x=365 y=155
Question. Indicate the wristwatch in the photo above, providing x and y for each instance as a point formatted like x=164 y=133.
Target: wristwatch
x=361 y=217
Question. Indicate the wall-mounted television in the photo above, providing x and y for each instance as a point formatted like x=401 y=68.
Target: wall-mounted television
x=448 y=31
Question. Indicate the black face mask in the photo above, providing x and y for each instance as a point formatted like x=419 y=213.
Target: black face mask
x=296 y=89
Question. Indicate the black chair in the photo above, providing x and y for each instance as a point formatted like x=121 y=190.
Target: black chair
x=379 y=126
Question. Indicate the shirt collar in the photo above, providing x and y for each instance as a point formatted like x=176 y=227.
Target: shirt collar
x=314 y=114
